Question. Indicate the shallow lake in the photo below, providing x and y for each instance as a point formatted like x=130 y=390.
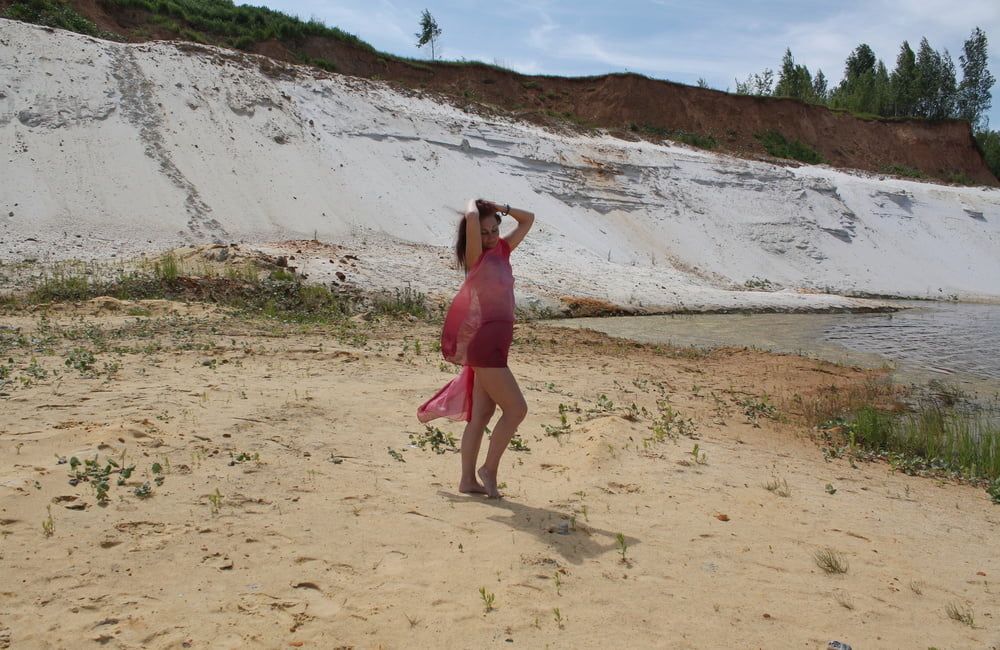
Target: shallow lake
x=957 y=343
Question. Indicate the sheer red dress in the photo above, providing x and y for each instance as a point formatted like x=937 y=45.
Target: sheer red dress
x=477 y=332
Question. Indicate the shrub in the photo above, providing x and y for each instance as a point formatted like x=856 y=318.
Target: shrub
x=780 y=147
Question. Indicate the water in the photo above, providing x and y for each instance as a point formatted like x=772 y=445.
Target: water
x=957 y=343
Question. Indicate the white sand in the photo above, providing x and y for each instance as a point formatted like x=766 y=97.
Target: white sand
x=116 y=149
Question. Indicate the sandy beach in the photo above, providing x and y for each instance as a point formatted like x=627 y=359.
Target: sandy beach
x=277 y=501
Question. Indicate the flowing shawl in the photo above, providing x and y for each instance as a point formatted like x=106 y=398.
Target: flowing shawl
x=486 y=296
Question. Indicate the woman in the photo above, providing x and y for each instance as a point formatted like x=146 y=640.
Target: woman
x=477 y=334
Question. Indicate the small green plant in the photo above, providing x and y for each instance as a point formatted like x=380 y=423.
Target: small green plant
x=563 y=426
x=699 y=457
x=757 y=408
x=557 y=581
x=831 y=561
x=993 y=489
x=81 y=360
x=557 y=615
x=778 y=486
x=48 y=525
x=439 y=441
x=488 y=600
x=622 y=546
x=215 y=501
x=517 y=443
x=244 y=456
x=961 y=612
x=143 y=491
x=397 y=456
x=830 y=489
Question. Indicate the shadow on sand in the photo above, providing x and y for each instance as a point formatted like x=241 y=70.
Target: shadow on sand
x=576 y=545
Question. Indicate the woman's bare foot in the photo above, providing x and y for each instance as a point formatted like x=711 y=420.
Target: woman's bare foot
x=489 y=482
x=471 y=487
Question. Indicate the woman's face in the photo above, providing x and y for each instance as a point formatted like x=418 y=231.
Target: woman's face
x=489 y=228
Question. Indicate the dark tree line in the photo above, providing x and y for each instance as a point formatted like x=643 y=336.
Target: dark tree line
x=922 y=84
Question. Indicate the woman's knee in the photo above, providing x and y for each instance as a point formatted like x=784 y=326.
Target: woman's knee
x=481 y=415
x=516 y=410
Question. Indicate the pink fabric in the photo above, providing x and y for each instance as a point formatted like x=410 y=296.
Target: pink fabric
x=486 y=296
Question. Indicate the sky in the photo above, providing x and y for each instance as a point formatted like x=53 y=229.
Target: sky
x=665 y=39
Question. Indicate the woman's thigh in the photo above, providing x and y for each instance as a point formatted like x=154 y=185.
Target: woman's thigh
x=483 y=405
x=502 y=388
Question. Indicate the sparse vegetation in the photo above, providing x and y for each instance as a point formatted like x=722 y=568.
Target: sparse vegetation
x=961 y=612
x=780 y=147
x=778 y=486
x=488 y=600
x=439 y=441
x=830 y=561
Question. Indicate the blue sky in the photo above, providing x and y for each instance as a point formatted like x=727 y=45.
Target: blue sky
x=666 y=39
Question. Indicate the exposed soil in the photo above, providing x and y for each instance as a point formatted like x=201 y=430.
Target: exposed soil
x=631 y=105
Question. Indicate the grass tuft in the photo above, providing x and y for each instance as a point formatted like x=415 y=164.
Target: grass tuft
x=832 y=562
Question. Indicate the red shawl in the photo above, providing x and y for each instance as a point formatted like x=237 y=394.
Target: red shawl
x=487 y=295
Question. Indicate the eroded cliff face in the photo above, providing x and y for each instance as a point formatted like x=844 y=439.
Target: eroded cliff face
x=630 y=105
x=116 y=149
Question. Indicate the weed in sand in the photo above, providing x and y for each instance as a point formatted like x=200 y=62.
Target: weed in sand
x=412 y=620
x=917 y=587
x=557 y=581
x=215 y=501
x=778 y=486
x=961 y=612
x=48 y=525
x=143 y=491
x=830 y=489
x=517 y=444
x=843 y=599
x=397 y=456
x=81 y=360
x=562 y=428
x=756 y=408
x=244 y=457
x=831 y=561
x=699 y=457
x=557 y=615
x=488 y=600
x=993 y=489
x=622 y=545
x=439 y=441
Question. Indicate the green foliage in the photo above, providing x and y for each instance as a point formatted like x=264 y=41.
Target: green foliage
x=974 y=98
x=401 y=302
x=780 y=147
x=429 y=32
x=993 y=489
x=239 y=26
x=989 y=145
x=931 y=437
x=687 y=137
x=902 y=170
x=439 y=441
x=54 y=13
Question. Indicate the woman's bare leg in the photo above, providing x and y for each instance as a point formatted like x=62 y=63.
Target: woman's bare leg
x=502 y=388
x=483 y=408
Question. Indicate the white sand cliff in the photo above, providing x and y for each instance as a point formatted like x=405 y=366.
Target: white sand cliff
x=112 y=150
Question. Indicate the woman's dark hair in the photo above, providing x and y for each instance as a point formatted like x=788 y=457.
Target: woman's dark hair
x=485 y=210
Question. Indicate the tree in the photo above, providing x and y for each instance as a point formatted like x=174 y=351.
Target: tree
x=935 y=83
x=819 y=87
x=756 y=83
x=989 y=144
x=864 y=88
x=974 y=98
x=794 y=80
x=702 y=83
x=429 y=32
x=904 y=82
